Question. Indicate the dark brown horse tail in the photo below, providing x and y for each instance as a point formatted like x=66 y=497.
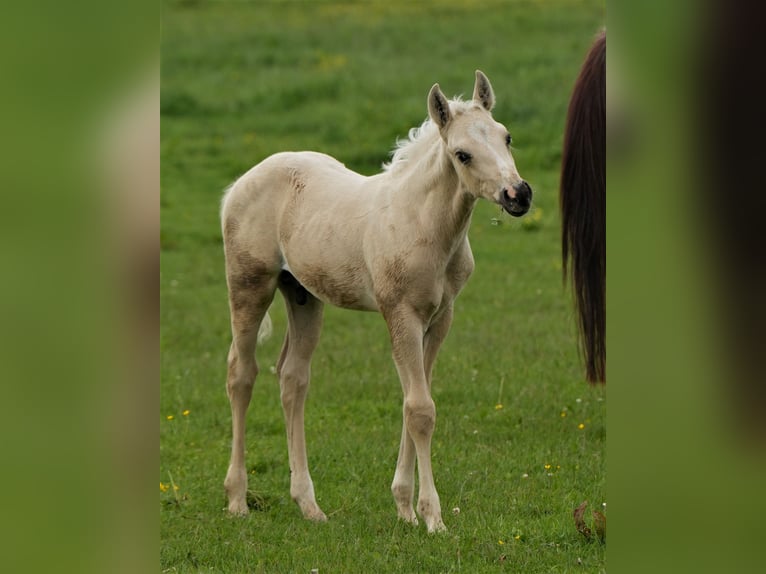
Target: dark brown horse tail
x=582 y=201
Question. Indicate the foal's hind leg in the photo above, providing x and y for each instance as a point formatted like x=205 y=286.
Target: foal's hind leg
x=305 y=323
x=250 y=294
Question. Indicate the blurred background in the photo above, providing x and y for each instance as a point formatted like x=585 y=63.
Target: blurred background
x=80 y=331
x=243 y=81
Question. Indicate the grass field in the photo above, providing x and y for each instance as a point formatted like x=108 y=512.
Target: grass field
x=520 y=437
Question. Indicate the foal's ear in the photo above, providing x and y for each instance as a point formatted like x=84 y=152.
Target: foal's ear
x=438 y=107
x=482 y=91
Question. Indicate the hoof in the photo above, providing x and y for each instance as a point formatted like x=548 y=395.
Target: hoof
x=437 y=526
x=238 y=509
x=408 y=516
x=317 y=516
x=311 y=511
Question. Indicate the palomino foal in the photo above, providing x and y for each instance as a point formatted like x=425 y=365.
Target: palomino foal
x=395 y=243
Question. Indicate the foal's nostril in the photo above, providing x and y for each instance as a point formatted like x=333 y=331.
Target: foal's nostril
x=506 y=197
x=523 y=193
x=523 y=187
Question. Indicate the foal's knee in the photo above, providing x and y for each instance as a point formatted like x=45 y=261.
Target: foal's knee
x=241 y=374
x=420 y=417
x=292 y=383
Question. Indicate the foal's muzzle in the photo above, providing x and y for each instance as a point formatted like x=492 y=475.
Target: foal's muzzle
x=518 y=204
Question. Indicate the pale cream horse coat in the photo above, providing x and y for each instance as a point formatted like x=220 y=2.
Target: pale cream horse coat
x=395 y=243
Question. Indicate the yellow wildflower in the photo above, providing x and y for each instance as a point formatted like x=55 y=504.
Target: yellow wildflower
x=176 y=487
x=547 y=467
x=186 y=413
x=581 y=426
x=498 y=406
x=501 y=542
x=170 y=417
x=563 y=414
x=163 y=487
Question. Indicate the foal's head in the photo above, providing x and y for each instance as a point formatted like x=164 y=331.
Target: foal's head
x=479 y=147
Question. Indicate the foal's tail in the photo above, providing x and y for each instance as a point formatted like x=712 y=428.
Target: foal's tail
x=582 y=200
x=266 y=328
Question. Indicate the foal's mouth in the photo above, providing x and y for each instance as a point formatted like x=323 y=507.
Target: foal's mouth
x=516 y=211
x=513 y=206
x=518 y=204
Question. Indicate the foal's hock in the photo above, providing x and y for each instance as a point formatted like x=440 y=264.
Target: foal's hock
x=395 y=243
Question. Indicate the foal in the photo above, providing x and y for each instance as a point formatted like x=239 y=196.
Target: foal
x=395 y=243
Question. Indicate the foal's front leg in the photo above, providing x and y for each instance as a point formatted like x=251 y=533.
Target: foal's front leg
x=403 y=485
x=407 y=332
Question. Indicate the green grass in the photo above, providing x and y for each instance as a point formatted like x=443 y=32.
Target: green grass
x=242 y=81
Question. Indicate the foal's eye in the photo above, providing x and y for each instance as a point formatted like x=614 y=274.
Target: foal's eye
x=463 y=157
x=508 y=140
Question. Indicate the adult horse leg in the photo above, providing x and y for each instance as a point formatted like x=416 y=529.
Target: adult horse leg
x=403 y=485
x=304 y=314
x=251 y=291
x=407 y=333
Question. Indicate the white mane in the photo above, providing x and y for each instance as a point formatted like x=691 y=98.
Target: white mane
x=420 y=137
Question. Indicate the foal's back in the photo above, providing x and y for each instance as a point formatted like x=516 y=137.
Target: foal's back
x=315 y=179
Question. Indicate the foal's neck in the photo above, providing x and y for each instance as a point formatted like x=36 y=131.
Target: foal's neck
x=444 y=206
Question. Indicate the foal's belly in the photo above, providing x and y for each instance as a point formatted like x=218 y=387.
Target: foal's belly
x=344 y=284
